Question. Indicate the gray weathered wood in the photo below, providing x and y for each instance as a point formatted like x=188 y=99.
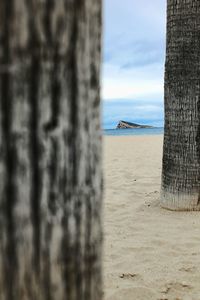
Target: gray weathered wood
x=50 y=150
x=181 y=154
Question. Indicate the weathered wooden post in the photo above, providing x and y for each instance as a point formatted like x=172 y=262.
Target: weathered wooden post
x=181 y=154
x=50 y=150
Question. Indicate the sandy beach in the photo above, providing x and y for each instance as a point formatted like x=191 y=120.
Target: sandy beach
x=149 y=252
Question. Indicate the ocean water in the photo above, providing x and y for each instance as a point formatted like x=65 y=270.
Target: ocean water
x=134 y=131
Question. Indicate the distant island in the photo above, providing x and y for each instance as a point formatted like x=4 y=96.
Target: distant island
x=128 y=125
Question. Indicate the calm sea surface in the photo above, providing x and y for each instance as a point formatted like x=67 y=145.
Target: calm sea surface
x=135 y=131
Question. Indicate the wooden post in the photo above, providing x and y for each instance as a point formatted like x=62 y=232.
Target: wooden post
x=181 y=154
x=50 y=150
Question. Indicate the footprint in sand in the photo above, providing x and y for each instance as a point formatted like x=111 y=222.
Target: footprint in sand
x=151 y=193
x=187 y=269
x=174 y=286
x=128 y=275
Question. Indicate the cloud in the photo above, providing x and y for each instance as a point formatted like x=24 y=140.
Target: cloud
x=134 y=51
x=133 y=82
x=141 y=53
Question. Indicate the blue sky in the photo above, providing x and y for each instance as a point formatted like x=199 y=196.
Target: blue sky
x=133 y=61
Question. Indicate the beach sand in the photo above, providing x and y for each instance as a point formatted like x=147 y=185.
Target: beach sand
x=149 y=252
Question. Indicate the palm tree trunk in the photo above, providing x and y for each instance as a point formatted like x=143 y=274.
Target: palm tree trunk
x=50 y=150
x=181 y=153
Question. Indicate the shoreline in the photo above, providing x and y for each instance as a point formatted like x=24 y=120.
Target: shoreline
x=133 y=132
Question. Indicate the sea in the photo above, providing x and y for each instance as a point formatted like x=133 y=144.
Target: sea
x=134 y=131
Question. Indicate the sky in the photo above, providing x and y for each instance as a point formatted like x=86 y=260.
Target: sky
x=133 y=61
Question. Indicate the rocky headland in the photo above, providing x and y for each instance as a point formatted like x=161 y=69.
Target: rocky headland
x=129 y=125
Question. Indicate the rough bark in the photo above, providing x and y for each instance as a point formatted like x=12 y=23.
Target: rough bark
x=181 y=153
x=50 y=150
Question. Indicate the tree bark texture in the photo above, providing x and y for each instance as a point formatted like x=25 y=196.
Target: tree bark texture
x=181 y=153
x=50 y=150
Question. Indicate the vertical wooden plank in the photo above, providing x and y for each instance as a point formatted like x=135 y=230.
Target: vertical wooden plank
x=181 y=153
x=50 y=141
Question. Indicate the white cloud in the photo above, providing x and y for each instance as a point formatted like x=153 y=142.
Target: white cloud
x=132 y=83
x=130 y=89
